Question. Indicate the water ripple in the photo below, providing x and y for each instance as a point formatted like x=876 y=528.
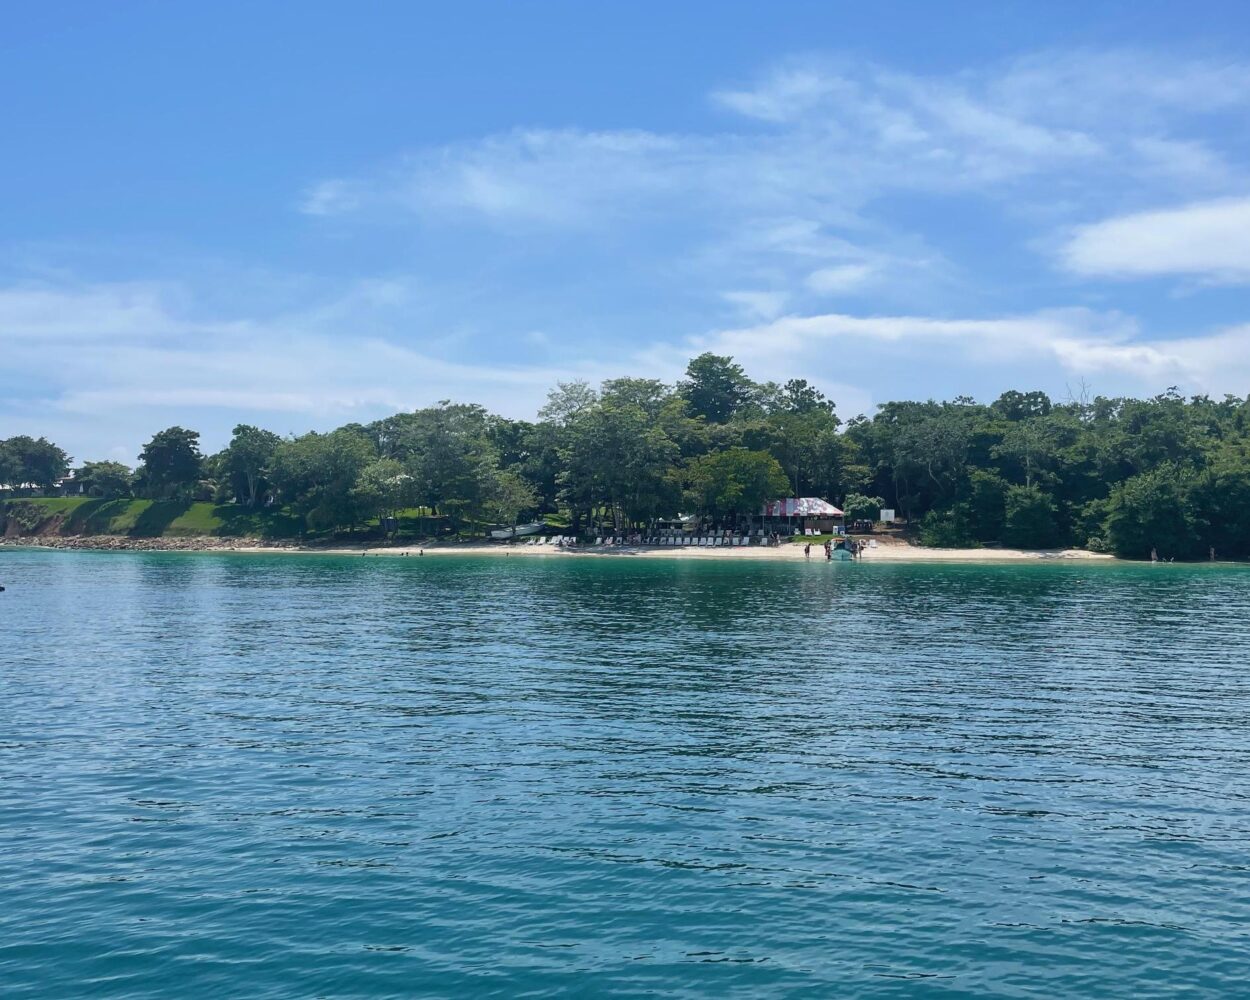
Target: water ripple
x=282 y=776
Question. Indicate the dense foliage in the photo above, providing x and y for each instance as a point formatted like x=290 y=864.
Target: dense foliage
x=1167 y=474
x=31 y=464
x=1121 y=475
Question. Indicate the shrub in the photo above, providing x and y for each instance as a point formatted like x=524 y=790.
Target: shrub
x=948 y=529
x=1029 y=518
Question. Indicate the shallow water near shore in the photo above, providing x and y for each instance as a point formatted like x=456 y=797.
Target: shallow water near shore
x=277 y=775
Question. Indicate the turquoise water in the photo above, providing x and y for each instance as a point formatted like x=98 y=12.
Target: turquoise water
x=274 y=776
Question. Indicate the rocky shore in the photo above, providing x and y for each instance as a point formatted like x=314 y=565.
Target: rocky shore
x=194 y=543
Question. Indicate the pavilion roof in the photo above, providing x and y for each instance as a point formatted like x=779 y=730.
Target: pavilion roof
x=800 y=507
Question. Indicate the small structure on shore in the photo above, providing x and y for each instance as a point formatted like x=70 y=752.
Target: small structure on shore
x=808 y=514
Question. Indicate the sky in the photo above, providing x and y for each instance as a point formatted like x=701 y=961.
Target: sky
x=300 y=215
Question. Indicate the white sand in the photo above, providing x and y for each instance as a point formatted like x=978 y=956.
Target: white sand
x=889 y=552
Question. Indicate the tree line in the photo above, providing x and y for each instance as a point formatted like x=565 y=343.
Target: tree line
x=1111 y=474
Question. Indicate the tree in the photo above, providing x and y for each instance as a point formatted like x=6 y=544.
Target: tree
x=615 y=455
x=105 y=479
x=1154 y=511
x=858 y=507
x=987 y=505
x=447 y=450
x=317 y=475
x=509 y=496
x=1014 y=405
x=715 y=387
x=383 y=488
x=171 y=463
x=735 y=481
x=1029 y=518
x=246 y=461
x=27 y=462
x=1028 y=445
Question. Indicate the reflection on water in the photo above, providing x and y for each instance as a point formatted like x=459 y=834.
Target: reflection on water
x=276 y=776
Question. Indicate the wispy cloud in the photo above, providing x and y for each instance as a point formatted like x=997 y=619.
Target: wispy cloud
x=311 y=368
x=1209 y=240
x=828 y=209
x=815 y=147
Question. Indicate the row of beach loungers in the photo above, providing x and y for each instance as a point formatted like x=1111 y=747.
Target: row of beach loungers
x=704 y=540
x=712 y=540
x=675 y=540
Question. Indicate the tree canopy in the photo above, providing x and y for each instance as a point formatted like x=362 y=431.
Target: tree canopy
x=1168 y=473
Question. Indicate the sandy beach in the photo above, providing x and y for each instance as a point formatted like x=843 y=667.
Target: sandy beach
x=896 y=552
x=887 y=550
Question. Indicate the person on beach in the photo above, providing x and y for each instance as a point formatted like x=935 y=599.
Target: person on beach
x=1154 y=554
x=807 y=550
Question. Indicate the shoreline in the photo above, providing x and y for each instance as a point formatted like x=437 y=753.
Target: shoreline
x=787 y=552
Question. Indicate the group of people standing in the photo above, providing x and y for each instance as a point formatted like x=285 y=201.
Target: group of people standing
x=853 y=546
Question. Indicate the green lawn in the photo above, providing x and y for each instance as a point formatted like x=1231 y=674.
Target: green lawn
x=181 y=518
x=154 y=518
x=814 y=539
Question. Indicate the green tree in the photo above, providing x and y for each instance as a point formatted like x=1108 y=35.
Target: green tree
x=1029 y=521
x=105 y=479
x=508 y=496
x=448 y=451
x=736 y=481
x=858 y=507
x=715 y=387
x=987 y=505
x=383 y=488
x=317 y=475
x=1154 y=510
x=27 y=462
x=948 y=528
x=170 y=463
x=1013 y=405
x=246 y=460
x=617 y=457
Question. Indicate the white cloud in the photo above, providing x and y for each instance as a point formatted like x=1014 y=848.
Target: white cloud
x=93 y=312
x=330 y=197
x=1044 y=348
x=817 y=146
x=296 y=371
x=756 y=304
x=103 y=361
x=842 y=278
x=1208 y=240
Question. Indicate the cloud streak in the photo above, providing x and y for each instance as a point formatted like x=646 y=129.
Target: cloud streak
x=1209 y=240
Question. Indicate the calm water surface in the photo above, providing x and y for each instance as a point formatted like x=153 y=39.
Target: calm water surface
x=273 y=776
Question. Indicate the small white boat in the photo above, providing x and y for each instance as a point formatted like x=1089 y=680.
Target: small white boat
x=520 y=531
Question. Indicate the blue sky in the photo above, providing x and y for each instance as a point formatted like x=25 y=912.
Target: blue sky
x=300 y=215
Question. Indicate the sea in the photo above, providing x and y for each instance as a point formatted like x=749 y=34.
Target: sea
x=263 y=776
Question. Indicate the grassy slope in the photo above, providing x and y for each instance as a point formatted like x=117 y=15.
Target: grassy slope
x=156 y=518
x=176 y=518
